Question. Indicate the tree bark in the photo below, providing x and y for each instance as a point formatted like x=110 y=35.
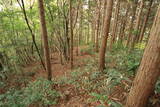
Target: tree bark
x=31 y=31
x=104 y=16
x=137 y=27
x=105 y=35
x=149 y=70
x=122 y=30
x=45 y=39
x=135 y=37
x=80 y=34
x=98 y=27
x=134 y=8
x=145 y=22
x=115 y=23
x=71 y=34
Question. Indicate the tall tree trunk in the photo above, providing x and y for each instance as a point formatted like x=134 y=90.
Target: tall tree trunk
x=149 y=70
x=135 y=37
x=145 y=22
x=122 y=30
x=71 y=34
x=115 y=23
x=66 y=30
x=137 y=27
x=93 y=32
x=134 y=8
x=105 y=35
x=80 y=25
x=103 y=16
x=98 y=26
x=67 y=38
x=31 y=31
x=45 y=38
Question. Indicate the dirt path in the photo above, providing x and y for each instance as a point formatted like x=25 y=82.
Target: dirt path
x=59 y=70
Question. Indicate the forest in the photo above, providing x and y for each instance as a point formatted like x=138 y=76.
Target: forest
x=79 y=53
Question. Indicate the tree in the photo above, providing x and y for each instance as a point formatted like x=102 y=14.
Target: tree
x=135 y=37
x=105 y=35
x=45 y=38
x=115 y=23
x=123 y=24
x=80 y=25
x=138 y=21
x=104 y=15
x=145 y=21
x=149 y=70
x=71 y=33
x=134 y=8
x=31 y=31
x=98 y=14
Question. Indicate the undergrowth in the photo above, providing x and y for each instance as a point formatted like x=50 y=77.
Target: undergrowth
x=39 y=92
x=108 y=87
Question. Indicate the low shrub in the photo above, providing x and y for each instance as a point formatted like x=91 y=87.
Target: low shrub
x=39 y=92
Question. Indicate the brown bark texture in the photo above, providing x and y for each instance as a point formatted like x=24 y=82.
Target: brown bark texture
x=134 y=8
x=115 y=23
x=105 y=35
x=71 y=34
x=149 y=69
x=145 y=21
x=45 y=38
x=135 y=37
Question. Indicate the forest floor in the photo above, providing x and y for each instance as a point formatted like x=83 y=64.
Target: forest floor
x=58 y=69
x=71 y=98
x=85 y=86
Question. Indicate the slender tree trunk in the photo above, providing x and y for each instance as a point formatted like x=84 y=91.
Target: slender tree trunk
x=71 y=34
x=149 y=70
x=79 y=27
x=31 y=31
x=66 y=31
x=93 y=33
x=103 y=17
x=94 y=30
x=145 y=22
x=45 y=39
x=122 y=30
x=135 y=37
x=81 y=22
x=137 y=27
x=105 y=35
x=88 y=14
x=98 y=27
x=115 y=23
x=67 y=38
x=134 y=8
